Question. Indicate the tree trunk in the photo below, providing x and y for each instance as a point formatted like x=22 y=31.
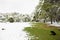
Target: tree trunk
x=44 y=20
x=51 y=21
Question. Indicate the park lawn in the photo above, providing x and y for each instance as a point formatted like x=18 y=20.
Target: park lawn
x=41 y=31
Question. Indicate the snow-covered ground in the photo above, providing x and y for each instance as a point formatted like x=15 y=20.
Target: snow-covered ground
x=54 y=24
x=13 y=31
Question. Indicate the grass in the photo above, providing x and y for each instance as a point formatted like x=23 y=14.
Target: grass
x=41 y=31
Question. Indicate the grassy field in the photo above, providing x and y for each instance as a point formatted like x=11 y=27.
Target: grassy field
x=41 y=31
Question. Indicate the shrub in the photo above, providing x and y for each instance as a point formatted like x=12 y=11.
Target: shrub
x=11 y=20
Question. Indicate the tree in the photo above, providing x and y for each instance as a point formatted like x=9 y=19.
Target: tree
x=48 y=9
x=43 y=15
x=51 y=7
x=37 y=11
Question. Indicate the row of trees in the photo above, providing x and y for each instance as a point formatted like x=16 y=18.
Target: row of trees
x=48 y=10
x=14 y=17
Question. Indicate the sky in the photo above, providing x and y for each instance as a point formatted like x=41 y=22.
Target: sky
x=21 y=6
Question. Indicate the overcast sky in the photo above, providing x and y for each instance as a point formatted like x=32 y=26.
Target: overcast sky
x=21 y=6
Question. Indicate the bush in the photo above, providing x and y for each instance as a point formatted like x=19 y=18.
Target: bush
x=11 y=20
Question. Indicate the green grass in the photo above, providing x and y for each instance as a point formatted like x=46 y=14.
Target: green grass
x=41 y=31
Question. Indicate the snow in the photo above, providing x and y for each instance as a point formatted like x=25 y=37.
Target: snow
x=13 y=31
x=56 y=24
